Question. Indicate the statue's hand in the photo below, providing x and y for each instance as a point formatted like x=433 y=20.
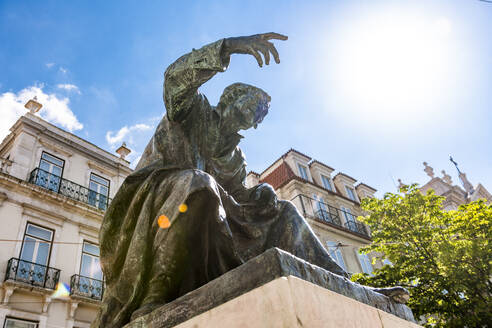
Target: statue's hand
x=254 y=45
x=264 y=195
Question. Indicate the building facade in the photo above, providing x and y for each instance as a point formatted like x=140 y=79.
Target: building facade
x=54 y=189
x=454 y=194
x=330 y=203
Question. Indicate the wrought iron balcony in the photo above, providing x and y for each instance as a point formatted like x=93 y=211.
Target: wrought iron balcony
x=321 y=211
x=330 y=214
x=86 y=287
x=356 y=226
x=68 y=188
x=32 y=273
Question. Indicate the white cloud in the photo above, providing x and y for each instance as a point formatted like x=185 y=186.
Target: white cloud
x=136 y=137
x=125 y=134
x=49 y=65
x=69 y=87
x=63 y=70
x=55 y=110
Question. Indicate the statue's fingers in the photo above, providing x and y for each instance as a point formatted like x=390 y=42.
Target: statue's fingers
x=272 y=35
x=274 y=52
x=266 y=53
x=255 y=54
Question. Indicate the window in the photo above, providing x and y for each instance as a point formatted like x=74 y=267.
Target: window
x=348 y=215
x=326 y=182
x=35 y=253
x=320 y=206
x=350 y=193
x=336 y=253
x=303 y=171
x=98 y=191
x=17 y=323
x=50 y=172
x=90 y=266
x=91 y=276
x=387 y=262
x=350 y=221
x=365 y=263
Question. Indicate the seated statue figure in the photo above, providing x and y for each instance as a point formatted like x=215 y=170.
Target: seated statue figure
x=184 y=216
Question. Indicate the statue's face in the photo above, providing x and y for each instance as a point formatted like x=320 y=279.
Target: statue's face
x=261 y=111
x=248 y=111
x=244 y=107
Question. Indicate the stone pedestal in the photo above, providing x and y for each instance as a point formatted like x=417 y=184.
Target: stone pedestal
x=277 y=289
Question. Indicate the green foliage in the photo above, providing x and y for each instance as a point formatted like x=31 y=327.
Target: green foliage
x=443 y=257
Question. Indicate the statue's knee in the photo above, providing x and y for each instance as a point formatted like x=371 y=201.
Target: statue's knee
x=200 y=180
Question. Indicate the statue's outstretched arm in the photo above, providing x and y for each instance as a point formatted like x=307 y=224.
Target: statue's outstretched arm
x=183 y=78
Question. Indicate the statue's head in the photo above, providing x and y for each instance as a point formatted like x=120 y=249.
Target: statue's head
x=243 y=106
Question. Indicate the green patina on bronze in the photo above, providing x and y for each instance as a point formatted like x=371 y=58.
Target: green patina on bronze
x=194 y=159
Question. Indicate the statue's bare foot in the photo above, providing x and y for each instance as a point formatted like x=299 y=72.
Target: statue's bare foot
x=397 y=294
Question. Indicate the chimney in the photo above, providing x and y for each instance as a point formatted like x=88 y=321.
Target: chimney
x=123 y=151
x=33 y=105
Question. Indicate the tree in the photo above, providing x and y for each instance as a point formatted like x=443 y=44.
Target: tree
x=443 y=257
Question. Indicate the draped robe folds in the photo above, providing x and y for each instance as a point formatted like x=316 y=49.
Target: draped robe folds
x=190 y=160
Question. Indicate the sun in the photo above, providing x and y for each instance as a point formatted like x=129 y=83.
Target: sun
x=392 y=66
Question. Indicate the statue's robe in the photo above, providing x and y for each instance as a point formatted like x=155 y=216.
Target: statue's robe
x=190 y=160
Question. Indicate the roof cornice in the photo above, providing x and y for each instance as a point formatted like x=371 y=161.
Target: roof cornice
x=346 y=176
x=72 y=141
x=361 y=184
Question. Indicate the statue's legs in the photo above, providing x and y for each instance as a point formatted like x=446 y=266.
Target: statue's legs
x=293 y=234
x=195 y=249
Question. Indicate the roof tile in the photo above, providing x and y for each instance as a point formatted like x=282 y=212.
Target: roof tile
x=279 y=176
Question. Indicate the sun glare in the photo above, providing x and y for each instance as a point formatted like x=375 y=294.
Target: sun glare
x=394 y=66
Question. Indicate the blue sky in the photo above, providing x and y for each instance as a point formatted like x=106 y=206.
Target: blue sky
x=371 y=88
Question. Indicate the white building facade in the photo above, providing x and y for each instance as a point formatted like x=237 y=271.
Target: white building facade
x=54 y=190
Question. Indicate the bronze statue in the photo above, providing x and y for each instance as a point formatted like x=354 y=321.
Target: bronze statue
x=191 y=179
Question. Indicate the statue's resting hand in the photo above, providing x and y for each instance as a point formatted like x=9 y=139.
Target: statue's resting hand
x=264 y=196
x=254 y=45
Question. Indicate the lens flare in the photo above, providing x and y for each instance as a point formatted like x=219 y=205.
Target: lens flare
x=163 y=222
x=183 y=208
x=62 y=291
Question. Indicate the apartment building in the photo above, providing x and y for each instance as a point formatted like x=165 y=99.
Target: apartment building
x=54 y=189
x=329 y=202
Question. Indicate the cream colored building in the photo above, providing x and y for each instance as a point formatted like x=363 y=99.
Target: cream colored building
x=54 y=189
x=455 y=195
x=330 y=203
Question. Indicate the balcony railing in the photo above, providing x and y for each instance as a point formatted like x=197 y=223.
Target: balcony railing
x=32 y=273
x=326 y=213
x=356 y=226
x=86 y=287
x=68 y=188
x=330 y=215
